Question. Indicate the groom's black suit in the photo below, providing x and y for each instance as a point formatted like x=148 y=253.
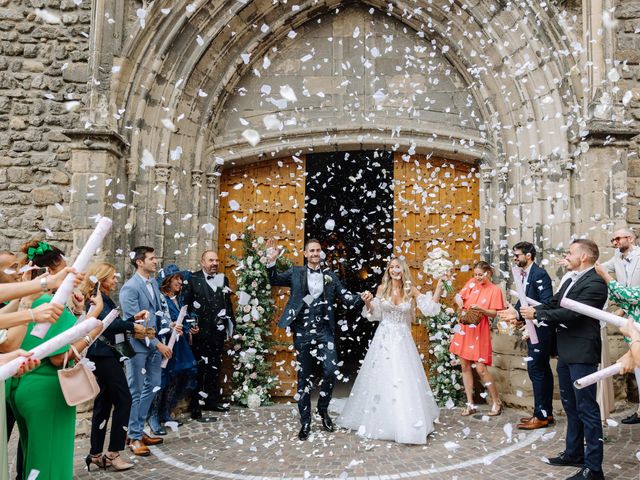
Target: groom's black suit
x=579 y=348
x=312 y=321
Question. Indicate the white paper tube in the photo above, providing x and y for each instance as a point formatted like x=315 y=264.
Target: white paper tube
x=528 y=324
x=174 y=334
x=82 y=262
x=595 y=313
x=47 y=348
x=530 y=301
x=597 y=376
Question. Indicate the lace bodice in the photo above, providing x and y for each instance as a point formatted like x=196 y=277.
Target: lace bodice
x=383 y=310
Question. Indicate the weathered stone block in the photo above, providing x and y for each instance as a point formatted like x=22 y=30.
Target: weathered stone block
x=18 y=175
x=628 y=9
x=45 y=195
x=21 y=146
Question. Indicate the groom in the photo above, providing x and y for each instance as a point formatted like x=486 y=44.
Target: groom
x=309 y=314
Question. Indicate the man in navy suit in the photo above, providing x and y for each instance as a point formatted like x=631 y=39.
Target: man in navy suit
x=538 y=287
x=309 y=314
x=144 y=373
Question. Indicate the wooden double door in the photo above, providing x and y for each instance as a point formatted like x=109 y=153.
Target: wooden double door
x=435 y=204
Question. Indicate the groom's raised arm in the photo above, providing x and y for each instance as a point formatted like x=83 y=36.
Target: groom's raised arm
x=279 y=279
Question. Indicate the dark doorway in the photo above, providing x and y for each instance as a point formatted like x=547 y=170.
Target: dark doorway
x=349 y=202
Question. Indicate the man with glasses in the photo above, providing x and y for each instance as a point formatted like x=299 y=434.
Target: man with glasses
x=626 y=266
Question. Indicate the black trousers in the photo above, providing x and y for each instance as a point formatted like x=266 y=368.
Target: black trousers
x=114 y=393
x=208 y=348
x=11 y=421
x=540 y=372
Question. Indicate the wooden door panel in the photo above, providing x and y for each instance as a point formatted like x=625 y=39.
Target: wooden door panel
x=271 y=199
x=435 y=201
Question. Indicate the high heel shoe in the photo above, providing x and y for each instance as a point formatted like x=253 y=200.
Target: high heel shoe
x=97 y=460
x=116 y=462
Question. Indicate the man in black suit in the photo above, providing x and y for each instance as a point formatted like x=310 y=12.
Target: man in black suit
x=579 y=347
x=537 y=284
x=208 y=296
x=309 y=314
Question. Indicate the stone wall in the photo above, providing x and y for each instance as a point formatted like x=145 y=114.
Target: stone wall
x=43 y=76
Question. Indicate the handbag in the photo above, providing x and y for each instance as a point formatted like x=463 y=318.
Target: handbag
x=123 y=349
x=78 y=383
x=469 y=317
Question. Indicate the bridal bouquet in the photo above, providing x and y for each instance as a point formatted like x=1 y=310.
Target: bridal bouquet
x=438 y=265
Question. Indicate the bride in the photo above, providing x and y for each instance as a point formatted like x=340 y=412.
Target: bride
x=391 y=399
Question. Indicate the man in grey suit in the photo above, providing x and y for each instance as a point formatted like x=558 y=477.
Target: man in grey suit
x=144 y=373
x=626 y=266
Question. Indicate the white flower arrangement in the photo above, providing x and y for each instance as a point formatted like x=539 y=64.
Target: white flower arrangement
x=438 y=266
x=327 y=279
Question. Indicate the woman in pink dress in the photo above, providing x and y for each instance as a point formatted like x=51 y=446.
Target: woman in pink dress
x=472 y=343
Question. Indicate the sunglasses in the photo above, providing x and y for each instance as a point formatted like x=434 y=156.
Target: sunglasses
x=617 y=239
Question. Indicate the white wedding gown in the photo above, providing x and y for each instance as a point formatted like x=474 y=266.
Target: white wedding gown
x=391 y=398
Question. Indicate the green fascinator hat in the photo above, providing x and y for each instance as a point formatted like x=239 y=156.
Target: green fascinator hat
x=41 y=249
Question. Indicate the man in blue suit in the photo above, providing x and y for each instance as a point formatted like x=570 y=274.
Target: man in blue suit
x=538 y=287
x=309 y=314
x=144 y=373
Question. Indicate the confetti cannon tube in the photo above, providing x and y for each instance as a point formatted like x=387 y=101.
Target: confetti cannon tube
x=595 y=313
x=528 y=324
x=597 y=376
x=530 y=301
x=174 y=334
x=64 y=291
x=45 y=349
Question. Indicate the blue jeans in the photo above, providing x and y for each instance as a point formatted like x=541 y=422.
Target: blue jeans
x=141 y=386
x=583 y=415
x=313 y=348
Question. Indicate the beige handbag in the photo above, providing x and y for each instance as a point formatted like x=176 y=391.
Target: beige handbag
x=78 y=383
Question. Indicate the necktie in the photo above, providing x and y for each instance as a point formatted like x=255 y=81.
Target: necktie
x=310 y=270
x=523 y=273
x=210 y=277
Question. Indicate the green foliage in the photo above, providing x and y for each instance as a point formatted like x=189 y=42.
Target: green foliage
x=445 y=376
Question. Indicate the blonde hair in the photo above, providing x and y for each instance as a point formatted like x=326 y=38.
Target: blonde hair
x=101 y=271
x=406 y=279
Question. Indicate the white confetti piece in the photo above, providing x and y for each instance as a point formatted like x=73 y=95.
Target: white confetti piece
x=251 y=136
x=156 y=389
x=47 y=17
x=330 y=224
x=168 y=124
x=208 y=227
x=147 y=159
x=234 y=205
x=288 y=94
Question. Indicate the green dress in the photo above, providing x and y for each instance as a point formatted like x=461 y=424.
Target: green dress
x=46 y=422
x=627 y=298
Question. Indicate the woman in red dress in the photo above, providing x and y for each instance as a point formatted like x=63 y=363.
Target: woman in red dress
x=472 y=343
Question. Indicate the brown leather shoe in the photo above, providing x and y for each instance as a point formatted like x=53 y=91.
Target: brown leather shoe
x=526 y=419
x=147 y=440
x=139 y=448
x=533 y=424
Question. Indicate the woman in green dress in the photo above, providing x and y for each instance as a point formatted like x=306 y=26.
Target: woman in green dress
x=45 y=421
x=11 y=317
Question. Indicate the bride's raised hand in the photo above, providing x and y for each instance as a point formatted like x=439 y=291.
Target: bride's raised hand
x=272 y=250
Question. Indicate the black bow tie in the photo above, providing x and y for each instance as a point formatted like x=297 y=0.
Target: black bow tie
x=210 y=277
x=311 y=270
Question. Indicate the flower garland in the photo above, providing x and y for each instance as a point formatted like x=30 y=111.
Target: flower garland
x=445 y=376
x=252 y=377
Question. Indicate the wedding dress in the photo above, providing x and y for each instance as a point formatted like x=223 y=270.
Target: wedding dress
x=391 y=398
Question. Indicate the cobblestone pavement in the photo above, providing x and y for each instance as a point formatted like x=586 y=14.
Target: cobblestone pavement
x=262 y=444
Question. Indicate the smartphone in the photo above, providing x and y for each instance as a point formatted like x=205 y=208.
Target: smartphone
x=96 y=287
x=37 y=271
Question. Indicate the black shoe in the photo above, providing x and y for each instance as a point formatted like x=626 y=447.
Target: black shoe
x=327 y=423
x=587 y=474
x=563 y=460
x=196 y=414
x=219 y=408
x=159 y=431
x=304 y=432
x=631 y=419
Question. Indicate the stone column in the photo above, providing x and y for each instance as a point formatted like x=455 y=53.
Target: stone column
x=97 y=180
x=213 y=206
x=196 y=186
x=162 y=173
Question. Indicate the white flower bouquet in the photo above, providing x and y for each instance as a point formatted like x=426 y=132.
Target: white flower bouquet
x=438 y=266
